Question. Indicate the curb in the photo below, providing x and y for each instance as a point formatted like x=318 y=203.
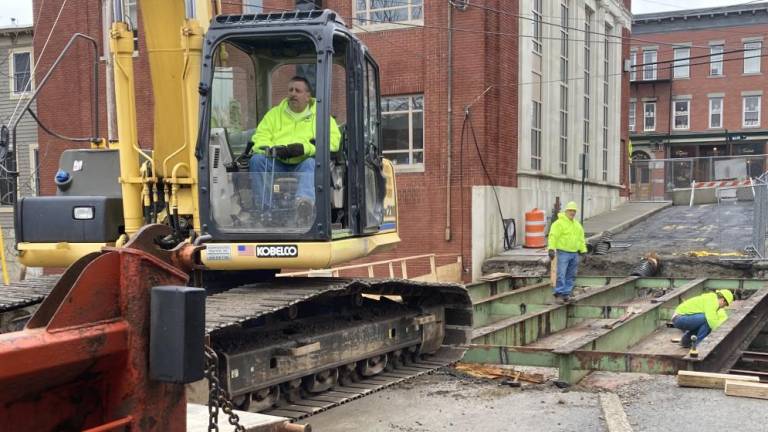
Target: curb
x=630 y=222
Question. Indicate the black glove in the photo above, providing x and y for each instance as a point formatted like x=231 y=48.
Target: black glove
x=293 y=150
x=551 y=253
x=284 y=152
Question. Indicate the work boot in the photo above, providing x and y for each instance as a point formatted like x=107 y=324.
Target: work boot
x=304 y=211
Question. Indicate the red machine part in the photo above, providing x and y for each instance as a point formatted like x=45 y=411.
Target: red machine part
x=82 y=361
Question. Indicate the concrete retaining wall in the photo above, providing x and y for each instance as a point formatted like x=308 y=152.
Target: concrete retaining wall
x=487 y=229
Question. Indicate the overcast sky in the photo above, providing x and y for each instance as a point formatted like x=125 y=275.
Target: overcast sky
x=22 y=9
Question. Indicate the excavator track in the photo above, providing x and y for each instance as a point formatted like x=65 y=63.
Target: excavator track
x=294 y=347
x=19 y=300
x=234 y=316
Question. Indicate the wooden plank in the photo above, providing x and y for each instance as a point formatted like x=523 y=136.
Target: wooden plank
x=709 y=380
x=746 y=389
x=614 y=413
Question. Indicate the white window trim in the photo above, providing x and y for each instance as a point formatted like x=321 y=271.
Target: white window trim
x=411 y=167
x=654 y=68
x=674 y=114
x=645 y=128
x=369 y=26
x=682 y=66
x=744 y=111
x=759 y=59
x=722 y=102
x=721 y=62
x=632 y=116
x=633 y=65
x=11 y=57
x=33 y=169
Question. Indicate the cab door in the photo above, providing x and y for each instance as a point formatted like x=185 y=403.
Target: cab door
x=374 y=187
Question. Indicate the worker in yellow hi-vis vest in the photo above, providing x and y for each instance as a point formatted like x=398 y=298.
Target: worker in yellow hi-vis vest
x=566 y=243
x=700 y=315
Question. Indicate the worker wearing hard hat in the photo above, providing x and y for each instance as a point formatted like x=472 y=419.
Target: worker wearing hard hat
x=566 y=241
x=701 y=314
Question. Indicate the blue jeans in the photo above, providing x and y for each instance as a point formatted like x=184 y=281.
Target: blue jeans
x=260 y=167
x=567 y=263
x=694 y=323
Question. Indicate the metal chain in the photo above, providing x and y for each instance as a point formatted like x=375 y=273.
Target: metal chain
x=217 y=398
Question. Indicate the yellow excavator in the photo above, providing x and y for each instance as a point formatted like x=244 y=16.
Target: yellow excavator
x=279 y=341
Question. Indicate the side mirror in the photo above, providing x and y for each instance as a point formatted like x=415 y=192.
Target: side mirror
x=5 y=141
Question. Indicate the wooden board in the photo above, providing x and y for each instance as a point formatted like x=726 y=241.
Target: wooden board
x=746 y=389
x=710 y=380
x=553 y=272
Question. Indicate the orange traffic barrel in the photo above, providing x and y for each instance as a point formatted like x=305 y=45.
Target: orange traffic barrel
x=534 y=229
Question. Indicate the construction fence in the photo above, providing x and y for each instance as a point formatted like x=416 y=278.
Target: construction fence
x=659 y=179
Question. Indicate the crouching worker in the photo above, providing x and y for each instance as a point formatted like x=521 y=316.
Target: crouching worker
x=700 y=315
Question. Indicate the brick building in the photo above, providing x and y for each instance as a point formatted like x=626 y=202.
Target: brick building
x=16 y=85
x=697 y=91
x=447 y=182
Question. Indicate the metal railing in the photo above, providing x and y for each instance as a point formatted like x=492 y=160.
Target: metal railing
x=656 y=179
x=759 y=217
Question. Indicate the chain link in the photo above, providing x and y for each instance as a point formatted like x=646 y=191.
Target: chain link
x=217 y=398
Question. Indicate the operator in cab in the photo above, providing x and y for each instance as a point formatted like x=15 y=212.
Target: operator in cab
x=284 y=142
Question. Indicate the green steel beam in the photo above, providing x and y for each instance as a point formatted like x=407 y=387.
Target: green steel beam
x=483 y=289
x=660 y=283
x=529 y=327
x=614 y=293
x=634 y=328
x=524 y=329
x=737 y=284
x=497 y=354
x=627 y=362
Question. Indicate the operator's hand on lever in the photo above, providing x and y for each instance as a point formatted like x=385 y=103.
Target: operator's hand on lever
x=284 y=152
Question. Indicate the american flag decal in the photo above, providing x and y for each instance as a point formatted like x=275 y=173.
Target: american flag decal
x=245 y=250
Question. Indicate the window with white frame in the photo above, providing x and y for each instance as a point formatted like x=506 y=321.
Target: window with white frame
x=564 y=26
x=682 y=62
x=716 y=60
x=715 y=112
x=751 y=106
x=632 y=114
x=752 y=56
x=21 y=72
x=8 y=181
x=402 y=127
x=649 y=64
x=34 y=171
x=372 y=12
x=537 y=23
x=253 y=6
x=633 y=68
x=587 y=80
x=649 y=116
x=681 y=112
x=606 y=96
x=131 y=16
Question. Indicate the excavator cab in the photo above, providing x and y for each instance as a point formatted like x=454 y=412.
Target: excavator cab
x=248 y=63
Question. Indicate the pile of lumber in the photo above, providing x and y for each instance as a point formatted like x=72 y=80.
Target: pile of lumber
x=734 y=385
x=486 y=371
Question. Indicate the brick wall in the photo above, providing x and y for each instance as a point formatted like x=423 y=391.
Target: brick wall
x=700 y=84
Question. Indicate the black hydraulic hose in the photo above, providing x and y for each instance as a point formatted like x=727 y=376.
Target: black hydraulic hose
x=55 y=134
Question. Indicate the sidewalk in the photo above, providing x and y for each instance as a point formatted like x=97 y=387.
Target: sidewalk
x=623 y=217
x=535 y=262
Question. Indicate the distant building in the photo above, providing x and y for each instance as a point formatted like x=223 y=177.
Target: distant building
x=697 y=90
x=16 y=85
